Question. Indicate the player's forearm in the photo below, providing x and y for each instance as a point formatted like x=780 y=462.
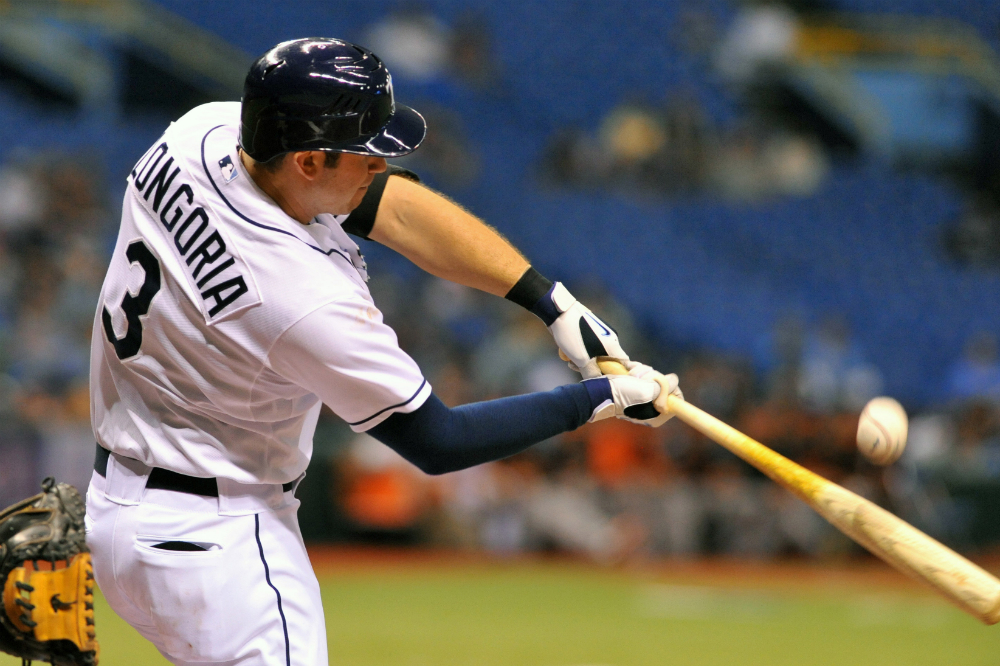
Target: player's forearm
x=445 y=240
x=438 y=439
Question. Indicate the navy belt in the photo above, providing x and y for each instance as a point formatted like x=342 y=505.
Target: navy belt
x=164 y=479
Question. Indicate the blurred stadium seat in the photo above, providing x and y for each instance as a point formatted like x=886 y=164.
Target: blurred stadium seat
x=697 y=271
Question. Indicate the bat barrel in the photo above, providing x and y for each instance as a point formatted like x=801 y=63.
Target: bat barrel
x=912 y=552
x=898 y=543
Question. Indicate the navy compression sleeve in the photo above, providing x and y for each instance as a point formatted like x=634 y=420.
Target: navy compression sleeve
x=438 y=439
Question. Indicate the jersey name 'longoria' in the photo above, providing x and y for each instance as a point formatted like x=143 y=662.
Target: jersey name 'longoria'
x=172 y=202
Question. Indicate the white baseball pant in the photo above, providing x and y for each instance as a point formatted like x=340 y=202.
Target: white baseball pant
x=251 y=598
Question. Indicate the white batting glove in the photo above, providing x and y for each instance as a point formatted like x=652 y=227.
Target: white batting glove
x=643 y=371
x=581 y=335
x=630 y=397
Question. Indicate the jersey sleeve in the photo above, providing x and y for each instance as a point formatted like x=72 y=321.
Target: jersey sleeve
x=344 y=353
x=362 y=219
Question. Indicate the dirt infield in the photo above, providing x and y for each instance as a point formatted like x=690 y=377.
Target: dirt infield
x=792 y=574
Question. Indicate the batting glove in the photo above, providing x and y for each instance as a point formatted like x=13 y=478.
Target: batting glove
x=579 y=333
x=631 y=397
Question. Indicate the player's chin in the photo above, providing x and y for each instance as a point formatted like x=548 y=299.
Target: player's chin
x=356 y=199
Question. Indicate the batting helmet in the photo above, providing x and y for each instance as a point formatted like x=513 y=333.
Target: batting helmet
x=324 y=94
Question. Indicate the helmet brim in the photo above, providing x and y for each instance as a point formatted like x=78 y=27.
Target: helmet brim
x=400 y=136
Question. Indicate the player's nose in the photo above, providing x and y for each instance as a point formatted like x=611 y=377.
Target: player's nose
x=377 y=164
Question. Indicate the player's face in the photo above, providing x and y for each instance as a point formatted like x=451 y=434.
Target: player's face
x=343 y=187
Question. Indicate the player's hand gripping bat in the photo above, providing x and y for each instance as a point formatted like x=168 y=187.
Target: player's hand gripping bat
x=897 y=542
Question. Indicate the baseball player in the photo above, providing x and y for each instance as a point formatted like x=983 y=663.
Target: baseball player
x=236 y=304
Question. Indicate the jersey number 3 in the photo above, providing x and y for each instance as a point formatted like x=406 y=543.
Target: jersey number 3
x=134 y=306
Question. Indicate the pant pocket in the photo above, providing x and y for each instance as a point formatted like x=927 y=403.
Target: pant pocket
x=173 y=543
x=184 y=593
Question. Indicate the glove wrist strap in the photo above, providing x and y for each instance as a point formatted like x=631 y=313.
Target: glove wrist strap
x=530 y=293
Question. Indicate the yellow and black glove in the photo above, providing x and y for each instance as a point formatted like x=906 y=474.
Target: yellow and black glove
x=47 y=580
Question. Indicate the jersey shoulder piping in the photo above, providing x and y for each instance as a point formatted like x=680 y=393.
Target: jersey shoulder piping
x=383 y=411
x=208 y=174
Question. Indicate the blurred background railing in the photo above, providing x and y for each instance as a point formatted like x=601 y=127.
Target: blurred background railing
x=795 y=206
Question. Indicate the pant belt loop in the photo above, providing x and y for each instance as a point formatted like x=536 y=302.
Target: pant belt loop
x=125 y=478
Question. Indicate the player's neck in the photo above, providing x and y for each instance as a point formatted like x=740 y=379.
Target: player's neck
x=271 y=183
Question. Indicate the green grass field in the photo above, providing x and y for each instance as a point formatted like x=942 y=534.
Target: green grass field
x=550 y=614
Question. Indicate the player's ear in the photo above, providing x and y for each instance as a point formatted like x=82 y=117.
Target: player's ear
x=308 y=163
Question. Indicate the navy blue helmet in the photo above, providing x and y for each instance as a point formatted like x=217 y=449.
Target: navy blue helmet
x=324 y=94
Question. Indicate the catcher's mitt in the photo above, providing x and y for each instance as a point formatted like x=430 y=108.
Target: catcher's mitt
x=47 y=579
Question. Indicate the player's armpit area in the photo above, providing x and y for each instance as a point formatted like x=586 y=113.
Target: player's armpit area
x=439 y=440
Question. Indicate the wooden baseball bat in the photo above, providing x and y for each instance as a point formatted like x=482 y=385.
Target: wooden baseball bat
x=906 y=548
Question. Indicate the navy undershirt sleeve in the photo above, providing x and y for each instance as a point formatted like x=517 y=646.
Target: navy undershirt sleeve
x=438 y=439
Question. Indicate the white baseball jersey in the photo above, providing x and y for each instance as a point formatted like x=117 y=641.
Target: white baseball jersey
x=224 y=323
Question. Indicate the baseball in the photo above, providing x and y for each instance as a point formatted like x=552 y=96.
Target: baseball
x=882 y=430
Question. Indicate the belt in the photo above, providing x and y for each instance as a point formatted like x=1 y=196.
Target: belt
x=164 y=479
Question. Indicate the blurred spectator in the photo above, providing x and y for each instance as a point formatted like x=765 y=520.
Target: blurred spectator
x=977 y=373
x=674 y=149
x=719 y=385
x=45 y=351
x=19 y=476
x=52 y=217
x=632 y=135
x=412 y=42
x=689 y=147
x=83 y=271
x=974 y=238
x=471 y=56
x=75 y=197
x=10 y=270
x=446 y=153
x=575 y=158
x=835 y=375
x=22 y=200
x=519 y=358
x=65 y=438
x=466 y=315
x=977 y=449
x=638 y=147
x=739 y=520
x=563 y=513
x=796 y=163
x=930 y=440
x=467 y=496
x=684 y=506
x=784 y=350
x=381 y=492
x=757 y=161
x=416 y=44
x=761 y=35
x=696 y=31
x=800 y=530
